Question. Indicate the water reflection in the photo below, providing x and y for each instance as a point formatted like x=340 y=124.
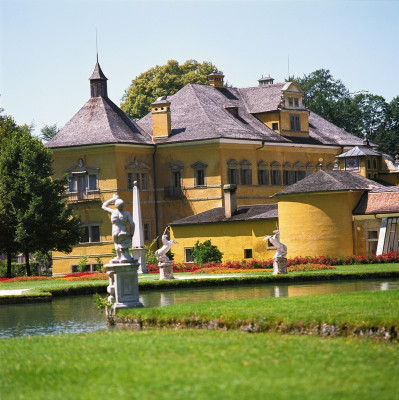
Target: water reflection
x=77 y=314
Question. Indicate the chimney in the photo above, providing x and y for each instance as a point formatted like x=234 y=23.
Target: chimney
x=230 y=200
x=216 y=79
x=161 y=120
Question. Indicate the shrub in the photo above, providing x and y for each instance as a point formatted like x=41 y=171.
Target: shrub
x=206 y=252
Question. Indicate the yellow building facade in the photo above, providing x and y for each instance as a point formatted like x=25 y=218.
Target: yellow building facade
x=261 y=139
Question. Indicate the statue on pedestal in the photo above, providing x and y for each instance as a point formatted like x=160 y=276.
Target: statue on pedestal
x=279 y=259
x=121 y=234
x=164 y=263
x=123 y=285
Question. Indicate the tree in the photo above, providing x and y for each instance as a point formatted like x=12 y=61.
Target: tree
x=206 y=252
x=8 y=128
x=38 y=217
x=329 y=98
x=49 y=131
x=357 y=113
x=160 y=81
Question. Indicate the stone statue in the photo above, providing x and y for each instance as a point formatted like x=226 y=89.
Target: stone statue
x=165 y=265
x=167 y=244
x=279 y=259
x=121 y=235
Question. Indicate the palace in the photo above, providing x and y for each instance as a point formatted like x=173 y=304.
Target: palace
x=261 y=139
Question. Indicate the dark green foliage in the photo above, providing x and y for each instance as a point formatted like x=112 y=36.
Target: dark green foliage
x=206 y=252
x=162 y=80
x=357 y=113
x=49 y=131
x=18 y=269
x=32 y=209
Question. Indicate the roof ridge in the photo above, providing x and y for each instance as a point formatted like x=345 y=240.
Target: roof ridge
x=201 y=106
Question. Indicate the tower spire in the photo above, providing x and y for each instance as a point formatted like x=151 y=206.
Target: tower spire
x=98 y=82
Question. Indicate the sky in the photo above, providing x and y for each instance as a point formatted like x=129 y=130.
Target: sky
x=48 y=48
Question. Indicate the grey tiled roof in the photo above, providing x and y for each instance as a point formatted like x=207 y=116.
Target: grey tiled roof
x=200 y=112
x=244 y=213
x=360 y=151
x=99 y=121
x=330 y=181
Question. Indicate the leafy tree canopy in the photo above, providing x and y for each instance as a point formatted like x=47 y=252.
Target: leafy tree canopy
x=160 y=81
x=31 y=203
x=357 y=113
x=49 y=131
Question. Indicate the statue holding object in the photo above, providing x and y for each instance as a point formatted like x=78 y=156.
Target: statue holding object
x=279 y=259
x=164 y=263
x=121 y=234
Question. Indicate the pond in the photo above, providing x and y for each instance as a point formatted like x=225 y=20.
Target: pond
x=77 y=314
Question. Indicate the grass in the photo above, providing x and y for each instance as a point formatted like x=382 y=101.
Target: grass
x=196 y=365
x=42 y=289
x=374 y=313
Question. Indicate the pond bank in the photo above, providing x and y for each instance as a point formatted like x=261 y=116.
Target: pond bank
x=45 y=292
x=373 y=314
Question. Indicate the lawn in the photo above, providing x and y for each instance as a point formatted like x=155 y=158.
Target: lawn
x=196 y=364
x=355 y=313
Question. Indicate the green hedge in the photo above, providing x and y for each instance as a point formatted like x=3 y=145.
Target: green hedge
x=18 y=269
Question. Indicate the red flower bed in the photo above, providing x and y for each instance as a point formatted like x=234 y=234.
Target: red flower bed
x=84 y=276
x=26 y=279
x=309 y=267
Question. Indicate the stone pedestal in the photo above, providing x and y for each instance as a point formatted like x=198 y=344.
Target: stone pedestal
x=123 y=286
x=279 y=265
x=165 y=271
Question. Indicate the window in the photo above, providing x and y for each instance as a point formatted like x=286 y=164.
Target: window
x=374 y=163
x=91 y=234
x=269 y=244
x=352 y=163
x=140 y=177
x=246 y=173
x=295 y=123
x=309 y=168
x=92 y=182
x=188 y=257
x=290 y=101
x=275 y=126
x=232 y=172
x=368 y=164
x=296 y=102
x=263 y=173
x=276 y=177
x=88 y=268
x=176 y=179
x=147 y=231
x=199 y=173
x=372 y=241
x=247 y=253
x=275 y=173
x=289 y=177
x=72 y=184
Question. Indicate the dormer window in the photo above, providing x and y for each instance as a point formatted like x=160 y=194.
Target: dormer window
x=296 y=102
x=290 y=101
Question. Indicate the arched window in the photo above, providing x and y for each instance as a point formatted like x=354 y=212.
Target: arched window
x=246 y=172
x=330 y=166
x=263 y=173
x=299 y=170
x=289 y=174
x=232 y=171
x=275 y=173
